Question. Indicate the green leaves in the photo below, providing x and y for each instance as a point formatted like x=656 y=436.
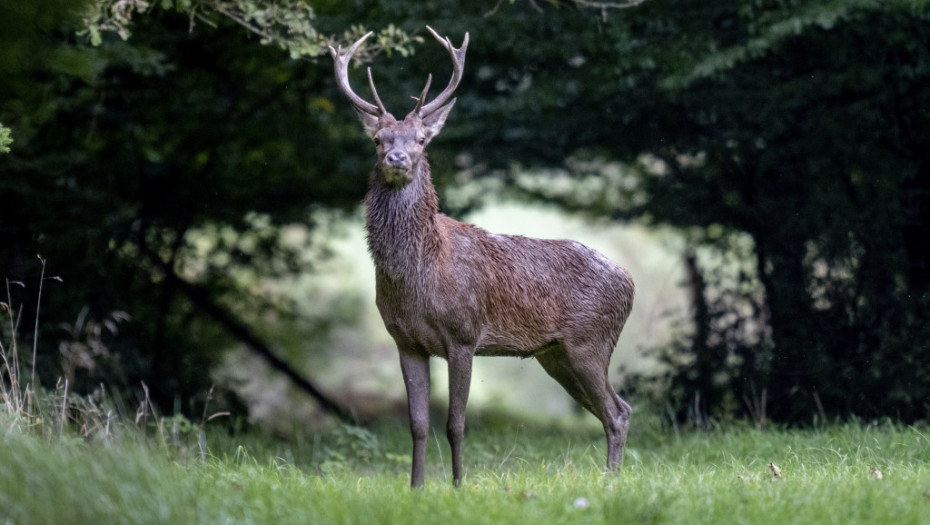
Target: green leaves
x=769 y=29
x=288 y=24
x=6 y=139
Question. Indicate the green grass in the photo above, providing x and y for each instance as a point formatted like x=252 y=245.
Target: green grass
x=516 y=472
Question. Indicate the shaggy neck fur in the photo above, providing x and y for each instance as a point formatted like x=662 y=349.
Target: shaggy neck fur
x=401 y=221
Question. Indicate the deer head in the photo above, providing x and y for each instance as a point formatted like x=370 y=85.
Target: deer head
x=400 y=144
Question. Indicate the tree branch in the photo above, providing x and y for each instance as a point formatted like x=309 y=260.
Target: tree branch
x=235 y=327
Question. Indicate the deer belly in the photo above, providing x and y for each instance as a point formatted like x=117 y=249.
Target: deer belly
x=507 y=351
x=515 y=343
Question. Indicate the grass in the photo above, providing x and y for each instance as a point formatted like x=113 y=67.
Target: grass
x=516 y=472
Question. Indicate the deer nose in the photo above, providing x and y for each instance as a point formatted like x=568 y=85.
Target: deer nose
x=396 y=158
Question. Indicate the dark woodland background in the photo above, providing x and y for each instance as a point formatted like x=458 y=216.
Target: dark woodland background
x=801 y=126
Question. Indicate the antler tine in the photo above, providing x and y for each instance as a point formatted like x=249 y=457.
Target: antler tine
x=342 y=78
x=458 y=66
x=374 y=92
x=422 y=99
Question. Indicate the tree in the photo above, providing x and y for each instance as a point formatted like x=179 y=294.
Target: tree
x=807 y=127
x=129 y=152
x=798 y=124
x=788 y=134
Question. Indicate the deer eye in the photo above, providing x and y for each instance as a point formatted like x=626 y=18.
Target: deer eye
x=422 y=140
x=377 y=141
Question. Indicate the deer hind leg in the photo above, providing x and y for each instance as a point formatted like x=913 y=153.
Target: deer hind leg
x=623 y=413
x=555 y=363
x=583 y=374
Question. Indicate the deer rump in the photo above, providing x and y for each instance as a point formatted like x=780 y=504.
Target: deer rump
x=504 y=295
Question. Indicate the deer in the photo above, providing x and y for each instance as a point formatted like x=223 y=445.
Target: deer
x=451 y=290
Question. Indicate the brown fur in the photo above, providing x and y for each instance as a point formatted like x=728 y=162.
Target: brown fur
x=454 y=291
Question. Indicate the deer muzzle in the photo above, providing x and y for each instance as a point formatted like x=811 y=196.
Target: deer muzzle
x=397 y=160
x=396 y=167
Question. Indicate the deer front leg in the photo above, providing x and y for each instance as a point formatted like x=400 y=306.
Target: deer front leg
x=459 y=383
x=415 y=368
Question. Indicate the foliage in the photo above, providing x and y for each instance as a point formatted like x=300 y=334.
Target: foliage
x=288 y=24
x=169 y=151
x=799 y=125
x=5 y=139
x=784 y=137
x=764 y=145
x=144 y=145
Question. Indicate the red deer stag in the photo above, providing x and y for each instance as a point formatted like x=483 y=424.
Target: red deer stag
x=454 y=291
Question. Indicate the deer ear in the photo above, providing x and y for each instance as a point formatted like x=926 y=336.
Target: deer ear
x=433 y=122
x=370 y=122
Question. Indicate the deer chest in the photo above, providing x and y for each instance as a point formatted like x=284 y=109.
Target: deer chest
x=430 y=316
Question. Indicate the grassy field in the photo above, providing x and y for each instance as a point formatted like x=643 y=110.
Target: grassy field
x=516 y=472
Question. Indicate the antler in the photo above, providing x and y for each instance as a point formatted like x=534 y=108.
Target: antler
x=458 y=66
x=342 y=78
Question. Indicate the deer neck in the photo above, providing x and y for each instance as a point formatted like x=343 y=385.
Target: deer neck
x=401 y=222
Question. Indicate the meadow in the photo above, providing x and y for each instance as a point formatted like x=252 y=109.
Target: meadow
x=146 y=469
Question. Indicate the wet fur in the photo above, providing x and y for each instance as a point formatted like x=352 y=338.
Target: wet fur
x=453 y=290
